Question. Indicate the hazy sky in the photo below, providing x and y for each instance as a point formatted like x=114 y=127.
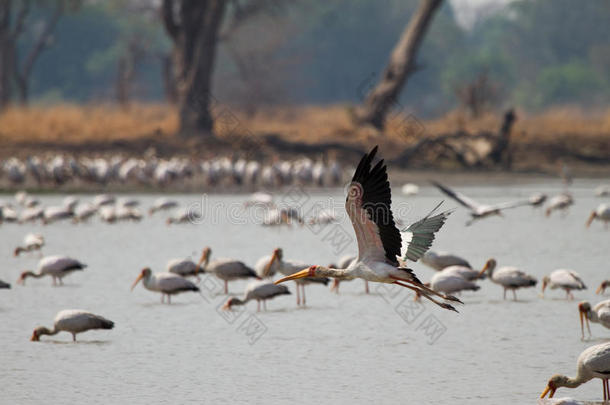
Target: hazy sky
x=468 y=11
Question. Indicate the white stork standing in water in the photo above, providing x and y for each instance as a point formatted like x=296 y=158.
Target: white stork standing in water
x=288 y=267
x=225 y=269
x=31 y=242
x=259 y=291
x=509 y=277
x=600 y=313
x=602 y=287
x=477 y=210
x=73 y=321
x=440 y=260
x=368 y=205
x=186 y=267
x=559 y=202
x=567 y=280
x=55 y=266
x=166 y=283
x=162 y=204
x=593 y=362
x=601 y=213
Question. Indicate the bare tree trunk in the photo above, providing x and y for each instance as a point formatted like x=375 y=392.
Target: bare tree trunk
x=195 y=37
x=22 y=76
x=402 y=63
x=6 y=54
x=169 y=82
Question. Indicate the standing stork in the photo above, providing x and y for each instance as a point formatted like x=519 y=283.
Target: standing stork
x=166 y=283
x=226 y=269
x=440 y=260
x=55 y=266
x=600 y=313
x=601 y=213
x=73 y=321
x=259 y=291
x=567 y=280
x=368 y=205
x=509 y=277
x=593 y=362
x=186 y=267
x=31 y=242
x=288 y=267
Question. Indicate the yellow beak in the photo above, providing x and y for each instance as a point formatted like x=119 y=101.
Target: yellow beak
x=599 y=289
x=137 y=281
x=203 y=258
x=268 y=267
x=546 y=390
x=295 y=276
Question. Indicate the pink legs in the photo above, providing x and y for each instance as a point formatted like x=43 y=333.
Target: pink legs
x=226 y=287
x=298 y=294
x=606 y=389
x=366 y=286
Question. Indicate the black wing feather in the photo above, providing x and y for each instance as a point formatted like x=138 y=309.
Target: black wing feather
x=377 y=201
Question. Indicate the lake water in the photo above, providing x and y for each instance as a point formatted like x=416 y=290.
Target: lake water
x=348 y=348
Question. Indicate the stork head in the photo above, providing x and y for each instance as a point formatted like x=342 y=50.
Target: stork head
x=146 y=272
x=555 y=382
x=39 y=331
x=583 y=312
x=230 y=302
x=490 y=265
x=23 y=276
x=602 y=287
x=545 y=281
x=591 y=218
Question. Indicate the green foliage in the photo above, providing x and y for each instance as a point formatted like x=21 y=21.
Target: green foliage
x=537 y=52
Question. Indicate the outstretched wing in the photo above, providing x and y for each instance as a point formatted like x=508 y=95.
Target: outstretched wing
x=459 y=197
x=420 y=235
x=510 y=204
x=368 y=205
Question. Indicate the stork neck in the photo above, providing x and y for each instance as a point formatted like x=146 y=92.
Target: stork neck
x=47 y=331
x=592 y=315
x=32 y=274
x=573 y=382
x=340 y=274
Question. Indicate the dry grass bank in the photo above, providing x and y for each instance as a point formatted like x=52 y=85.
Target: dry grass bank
x=554 y=133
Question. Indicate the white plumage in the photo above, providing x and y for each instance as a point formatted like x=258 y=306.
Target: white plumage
x=31 y=242
x=73 y=321
x=600 y=313
x=450 y=283
x=440 y=260
x=55 y=266
x=509 y=277
x=601 y=213
x=565 y=279
x=167 y=284
x=259 y=291
x=593 y=362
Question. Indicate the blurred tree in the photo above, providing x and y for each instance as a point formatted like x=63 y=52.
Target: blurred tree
x=402 y=63
x=194 y=27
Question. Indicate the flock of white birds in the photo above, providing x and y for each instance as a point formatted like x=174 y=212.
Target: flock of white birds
x=375 y=239
x=63 y=169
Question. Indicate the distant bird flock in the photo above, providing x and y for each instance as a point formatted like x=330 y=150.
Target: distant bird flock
x=158 y=172
x=384 y=250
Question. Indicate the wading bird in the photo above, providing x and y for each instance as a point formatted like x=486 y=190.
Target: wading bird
x=601 y=213
x=186 y=267
x=600 y=313
x=166 y=283
x=440 y=260
x=510 y=278
x=225 y=269
x=73 y=321
x=567 y=280
x=593 y=362
x=162 y=204
x=477 y=210
x=559 y=202
x=288 y=267
x=602 y=287
x=55 y=266
x=259 y=291
x=468 y=273
x=31 y=242
x=368 y=205
x=451 y=283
